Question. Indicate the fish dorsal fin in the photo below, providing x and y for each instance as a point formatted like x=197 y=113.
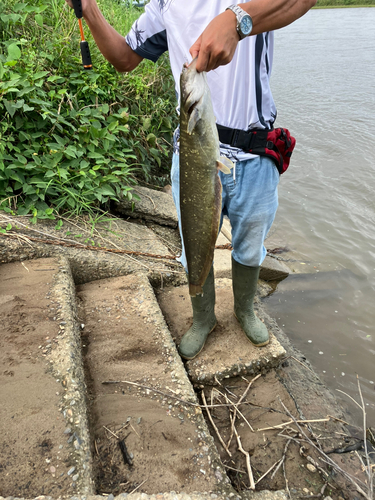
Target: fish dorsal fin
x=224 y=164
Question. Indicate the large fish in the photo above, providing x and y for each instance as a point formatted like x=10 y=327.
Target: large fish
x=200 y=186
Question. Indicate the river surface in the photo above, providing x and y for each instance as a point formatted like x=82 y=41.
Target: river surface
x=323 y=83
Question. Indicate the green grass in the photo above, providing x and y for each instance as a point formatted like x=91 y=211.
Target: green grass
x=73 y=140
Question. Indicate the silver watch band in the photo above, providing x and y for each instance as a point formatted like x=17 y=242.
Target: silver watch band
x=240 y=14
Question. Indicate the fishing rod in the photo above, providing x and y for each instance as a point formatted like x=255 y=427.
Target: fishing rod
x=85 y=50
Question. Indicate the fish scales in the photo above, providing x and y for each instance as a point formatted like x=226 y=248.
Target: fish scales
x=200 y=186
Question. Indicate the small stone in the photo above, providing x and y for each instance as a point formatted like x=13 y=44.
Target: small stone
x=311 y=468
x=71 y=470
x=75 y=477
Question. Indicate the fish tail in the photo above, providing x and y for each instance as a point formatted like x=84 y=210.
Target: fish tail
x=195 y=290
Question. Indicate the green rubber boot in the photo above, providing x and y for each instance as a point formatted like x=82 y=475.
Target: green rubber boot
x=204 y=320
x=245 y=280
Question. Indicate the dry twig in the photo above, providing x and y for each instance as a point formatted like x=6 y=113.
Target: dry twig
x=113 y=434
x=135 y=489
x=247 y=456
x=213 y=424
x=268 y=471
x=357 y=483
x=280 y=426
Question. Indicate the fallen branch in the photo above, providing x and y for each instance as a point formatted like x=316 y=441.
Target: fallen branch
x=248 y=464
x=214 y=425
x=267 y=472
x=135 y=489
x=113 y=434
x=280 y=426
x=282 y=459
x=357 y=483
x=89 y=247
x=168 y=395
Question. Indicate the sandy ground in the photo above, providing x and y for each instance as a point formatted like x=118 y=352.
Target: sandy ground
x=157 y=432
x=34 y=459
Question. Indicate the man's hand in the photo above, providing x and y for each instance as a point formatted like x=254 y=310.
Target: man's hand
x=111 y=44
x=217 y=44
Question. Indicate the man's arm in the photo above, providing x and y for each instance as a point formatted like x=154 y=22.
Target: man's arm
x=217 y=44
x=111 y=44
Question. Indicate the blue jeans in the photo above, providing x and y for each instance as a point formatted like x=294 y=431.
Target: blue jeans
x=249 y=199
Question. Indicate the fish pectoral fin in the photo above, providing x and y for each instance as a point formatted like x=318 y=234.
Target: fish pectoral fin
x=194 y=118
x=224 y=164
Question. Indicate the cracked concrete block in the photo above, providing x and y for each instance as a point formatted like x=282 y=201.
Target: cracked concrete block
x=273 y=270
x=227 y=352
x=152 y=205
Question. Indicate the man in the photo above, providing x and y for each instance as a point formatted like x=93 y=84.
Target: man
x=234 y=44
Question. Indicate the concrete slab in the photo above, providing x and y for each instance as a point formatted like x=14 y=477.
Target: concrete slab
x=76 y=239
x=152 y=205
x=227 y=352
x=273 y=270
x=43 y=426
x=223 y=263
x=127 y=342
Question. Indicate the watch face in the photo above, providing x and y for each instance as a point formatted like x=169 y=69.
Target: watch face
x=246 y=25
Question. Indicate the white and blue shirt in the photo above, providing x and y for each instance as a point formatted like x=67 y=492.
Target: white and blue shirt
x=240 y=91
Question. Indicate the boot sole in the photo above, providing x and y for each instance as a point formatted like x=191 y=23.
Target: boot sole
x=188 y=359
x=251 y=342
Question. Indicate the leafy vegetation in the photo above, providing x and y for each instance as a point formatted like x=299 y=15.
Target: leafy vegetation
x=70 y=139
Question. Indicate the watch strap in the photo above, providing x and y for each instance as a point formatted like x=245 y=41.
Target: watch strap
x=240 y=14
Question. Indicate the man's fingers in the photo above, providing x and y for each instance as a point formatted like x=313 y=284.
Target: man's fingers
x=203 y=61
x=194 y=49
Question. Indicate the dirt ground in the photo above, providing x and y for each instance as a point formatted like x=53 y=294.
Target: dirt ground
x=265 y=407
x=271 y=448
x=34 y=459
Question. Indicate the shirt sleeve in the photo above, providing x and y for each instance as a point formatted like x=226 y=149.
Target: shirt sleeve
x=148 y=36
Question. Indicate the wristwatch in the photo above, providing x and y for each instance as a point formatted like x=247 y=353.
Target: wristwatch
x=244 y=21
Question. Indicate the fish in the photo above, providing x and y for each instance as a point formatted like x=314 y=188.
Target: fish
x=200 y=185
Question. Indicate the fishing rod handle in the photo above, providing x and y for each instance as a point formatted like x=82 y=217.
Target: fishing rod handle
x=77 y=6
x=85 y=53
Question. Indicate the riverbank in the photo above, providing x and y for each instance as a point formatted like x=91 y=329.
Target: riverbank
x=113 y=326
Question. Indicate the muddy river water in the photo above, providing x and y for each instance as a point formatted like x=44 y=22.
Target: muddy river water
x=323 y=83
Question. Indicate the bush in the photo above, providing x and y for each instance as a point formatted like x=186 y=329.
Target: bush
x=72 y=139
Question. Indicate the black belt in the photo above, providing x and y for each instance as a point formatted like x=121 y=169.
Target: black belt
x=242 y=139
